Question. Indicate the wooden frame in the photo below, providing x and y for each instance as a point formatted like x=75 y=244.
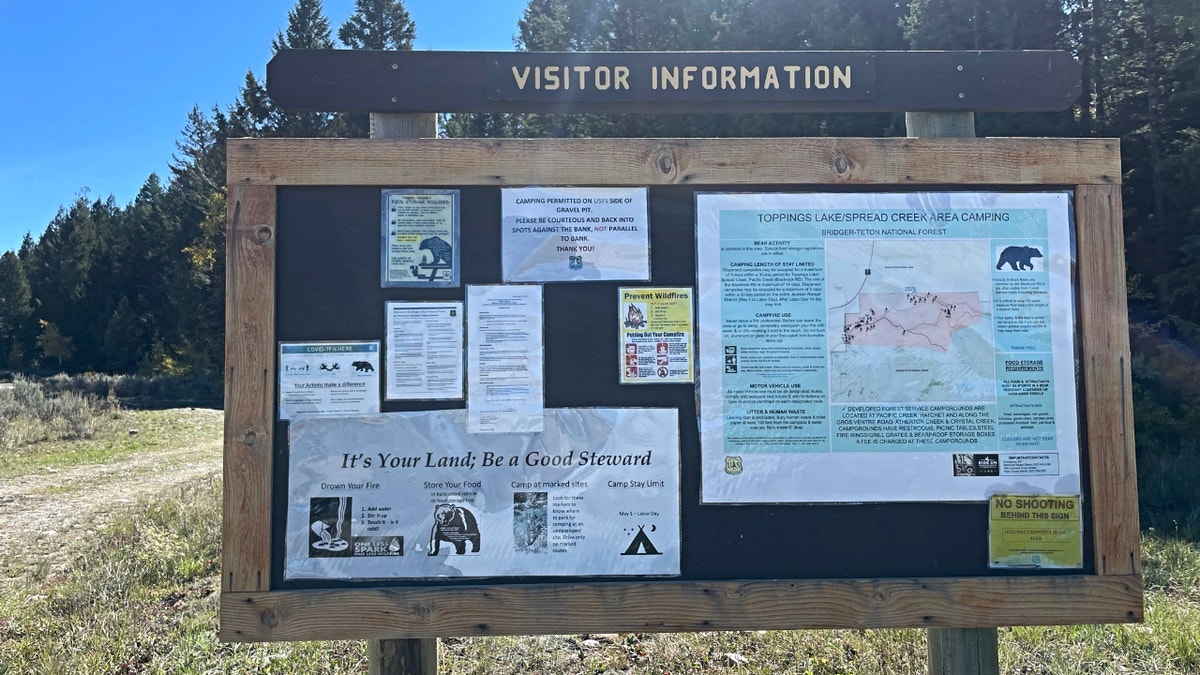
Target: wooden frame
x=252 y=611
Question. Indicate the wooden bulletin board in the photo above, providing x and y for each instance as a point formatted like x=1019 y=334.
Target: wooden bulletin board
x=294 y=201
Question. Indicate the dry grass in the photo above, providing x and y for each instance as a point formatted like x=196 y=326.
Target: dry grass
x=140 y=596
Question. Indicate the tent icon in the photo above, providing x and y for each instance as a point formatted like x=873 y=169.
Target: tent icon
x=641 y=544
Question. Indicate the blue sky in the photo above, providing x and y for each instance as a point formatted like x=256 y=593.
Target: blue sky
x=94 y=95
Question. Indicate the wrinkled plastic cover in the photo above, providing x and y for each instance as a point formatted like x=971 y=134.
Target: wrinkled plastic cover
x=859 y=347
x=413 y=495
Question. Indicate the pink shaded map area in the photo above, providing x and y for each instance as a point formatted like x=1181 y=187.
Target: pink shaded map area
x=923 y=320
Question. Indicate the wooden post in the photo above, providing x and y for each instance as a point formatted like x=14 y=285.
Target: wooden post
x=963 y=651
x=410 y=657
x=940 y=125
x=419 y=125
x=955 y=651
x=403 y=657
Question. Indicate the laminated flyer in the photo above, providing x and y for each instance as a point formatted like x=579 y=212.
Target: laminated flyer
x=886 y=346
x=575 y=234
x=328 y=378
x=656 y=335
x=414 y=495
x=420 y=238
x=1035 y=531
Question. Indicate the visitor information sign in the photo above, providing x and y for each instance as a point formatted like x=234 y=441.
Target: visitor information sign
x=886 y=347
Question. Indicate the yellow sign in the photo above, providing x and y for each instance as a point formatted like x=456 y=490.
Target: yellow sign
x=1036 y=531
x=656 y=335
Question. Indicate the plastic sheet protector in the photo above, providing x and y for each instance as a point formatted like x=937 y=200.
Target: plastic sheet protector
x=413 y=495
x=886 y=346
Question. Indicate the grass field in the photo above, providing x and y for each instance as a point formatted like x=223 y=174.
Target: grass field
x=139 y=595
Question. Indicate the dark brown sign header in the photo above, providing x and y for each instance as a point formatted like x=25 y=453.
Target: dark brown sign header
x=798 y=81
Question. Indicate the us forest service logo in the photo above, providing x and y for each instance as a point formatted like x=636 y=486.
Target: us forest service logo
x=641 y=544
x=733 y=465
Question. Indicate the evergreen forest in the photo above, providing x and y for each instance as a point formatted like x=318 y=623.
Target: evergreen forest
x=140 y=287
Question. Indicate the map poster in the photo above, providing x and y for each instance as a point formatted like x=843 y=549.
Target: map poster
x=504 y=359
x=328 y=378
x=656 y=335
x=420 y=238
x=1035 y=531
x=415 y=495
x=424 y=350
x=886 y=346
x=575 y=234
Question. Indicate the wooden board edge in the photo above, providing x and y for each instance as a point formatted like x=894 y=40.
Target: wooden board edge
x=678 y=606
x=1108 y=400
x=789 y=161
x=249 y=388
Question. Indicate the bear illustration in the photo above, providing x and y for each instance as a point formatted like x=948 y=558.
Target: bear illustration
x=363 y=367
x=1018 y=257
x=456 y=525
x=439 y=248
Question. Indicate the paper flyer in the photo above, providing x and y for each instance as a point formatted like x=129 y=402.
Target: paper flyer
x=656 y=335
x=420 y=238
x=415 y=495
x=328 y=378
x=424 y=350
x=886 y=346
x=505 y=391
x=575 y=234
x=1035 y=531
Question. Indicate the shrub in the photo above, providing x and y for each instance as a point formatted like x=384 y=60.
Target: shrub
x=41 y=413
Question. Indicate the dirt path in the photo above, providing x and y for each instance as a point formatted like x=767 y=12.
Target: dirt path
x=48 y=510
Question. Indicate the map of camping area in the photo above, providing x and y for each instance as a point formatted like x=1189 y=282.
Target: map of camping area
x=885 y=346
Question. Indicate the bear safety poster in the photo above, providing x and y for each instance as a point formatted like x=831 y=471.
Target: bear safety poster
x=420 y=238
x=886 y=347
x=414 y=495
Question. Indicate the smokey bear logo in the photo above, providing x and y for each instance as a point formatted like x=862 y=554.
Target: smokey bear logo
x=1018 y=257
x=455 y=525
x=440 y=250
x=363 y=367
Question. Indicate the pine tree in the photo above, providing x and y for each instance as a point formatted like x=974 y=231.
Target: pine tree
x=307 y=28
x=194 y=275
x=985 y=24
x=378 y=25
x=15 y=307
x=124 y=338
x=145 y=246
x=252 y=110
x=60 y=269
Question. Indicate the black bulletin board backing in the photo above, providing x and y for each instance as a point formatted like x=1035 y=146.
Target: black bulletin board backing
x=327 y=281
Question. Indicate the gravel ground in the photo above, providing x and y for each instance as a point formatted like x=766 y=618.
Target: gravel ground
x=47 y=511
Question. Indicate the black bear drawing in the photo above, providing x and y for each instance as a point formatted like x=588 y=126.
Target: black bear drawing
x=455 y=525
x=1018 y=257
x=439 y=248
x=363 y=367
